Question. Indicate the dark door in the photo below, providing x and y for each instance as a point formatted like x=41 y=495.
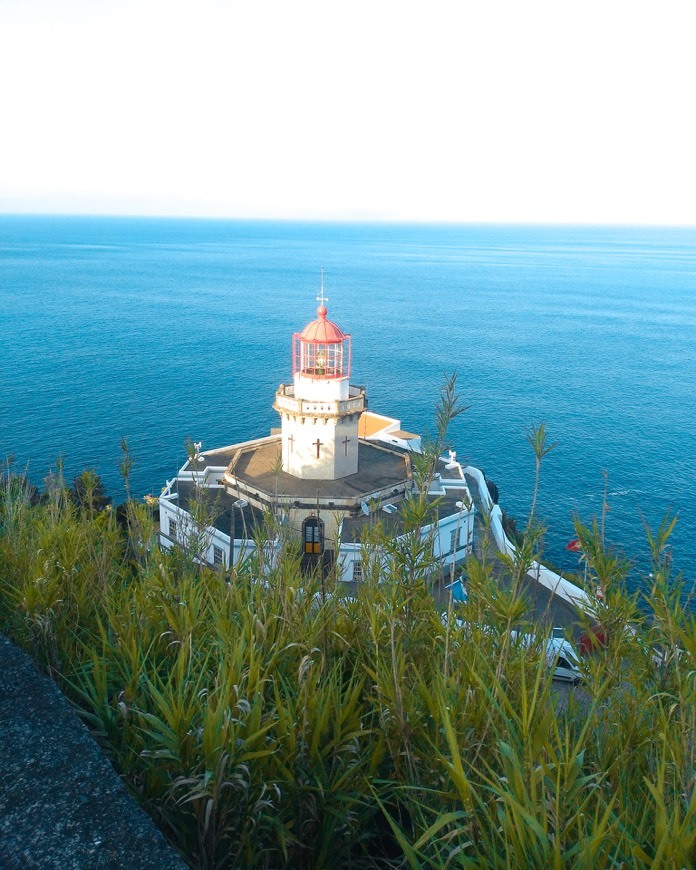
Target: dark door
x=313 y=532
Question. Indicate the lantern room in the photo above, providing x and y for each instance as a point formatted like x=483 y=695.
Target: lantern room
x=322 y=350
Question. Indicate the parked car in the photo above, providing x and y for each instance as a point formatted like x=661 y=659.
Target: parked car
x=559 y=652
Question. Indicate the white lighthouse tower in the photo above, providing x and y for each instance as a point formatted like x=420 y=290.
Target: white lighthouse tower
x=320 y=410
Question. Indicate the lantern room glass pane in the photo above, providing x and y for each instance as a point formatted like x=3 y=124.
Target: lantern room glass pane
x=321 y=359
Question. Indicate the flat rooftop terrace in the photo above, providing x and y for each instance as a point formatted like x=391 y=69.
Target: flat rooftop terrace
x=393 y=523
x=378 y=469
x=222 y=513
x=219 y=458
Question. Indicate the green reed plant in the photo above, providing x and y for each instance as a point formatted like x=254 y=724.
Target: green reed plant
x=264 y=724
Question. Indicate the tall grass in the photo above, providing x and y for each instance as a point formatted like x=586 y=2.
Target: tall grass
x=265 y=725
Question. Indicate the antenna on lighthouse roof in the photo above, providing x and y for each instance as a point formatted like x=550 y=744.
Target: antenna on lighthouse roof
x=322 y=299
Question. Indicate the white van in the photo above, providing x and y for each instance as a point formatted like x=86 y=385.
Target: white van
x=560 y=654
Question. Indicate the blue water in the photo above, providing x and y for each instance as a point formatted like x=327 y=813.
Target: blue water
x=157 y=329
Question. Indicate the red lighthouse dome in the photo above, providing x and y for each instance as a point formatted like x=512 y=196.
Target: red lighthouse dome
x=322 y=350
x=322 y=330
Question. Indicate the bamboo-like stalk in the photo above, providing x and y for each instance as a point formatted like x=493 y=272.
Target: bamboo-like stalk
x=267 y=725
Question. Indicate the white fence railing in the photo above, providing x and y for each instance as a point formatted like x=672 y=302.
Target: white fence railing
x=557 y=584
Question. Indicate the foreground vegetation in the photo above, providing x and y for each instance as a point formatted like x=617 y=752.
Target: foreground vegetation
x=278 y=724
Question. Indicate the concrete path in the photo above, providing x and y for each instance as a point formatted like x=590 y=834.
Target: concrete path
x=61 y=803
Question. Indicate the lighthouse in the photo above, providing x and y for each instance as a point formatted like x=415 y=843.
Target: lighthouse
x=333 y=470
x=320 y=410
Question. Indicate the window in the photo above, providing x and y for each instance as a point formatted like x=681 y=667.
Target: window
x=357 y=570
x=313 y=535
x=455 y=540
x=172 y=528
x=217 y=556
x=321 y=359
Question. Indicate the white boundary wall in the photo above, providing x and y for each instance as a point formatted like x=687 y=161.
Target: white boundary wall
x=557 y=584
x=441 y=534
x=209 y=537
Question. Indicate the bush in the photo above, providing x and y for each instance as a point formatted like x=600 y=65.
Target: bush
x=261 y=727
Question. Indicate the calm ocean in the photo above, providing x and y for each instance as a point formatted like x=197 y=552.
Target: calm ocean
x=156 y=329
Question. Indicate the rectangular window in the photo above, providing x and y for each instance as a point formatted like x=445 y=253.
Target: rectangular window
x=455 y=540
x=357 y=570
x=172 y=529
x=313 y=537
x=217 y=556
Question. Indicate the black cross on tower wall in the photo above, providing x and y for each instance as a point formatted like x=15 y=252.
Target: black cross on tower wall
x=318 y=444
x=345 y=443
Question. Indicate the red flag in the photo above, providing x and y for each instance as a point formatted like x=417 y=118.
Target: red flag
x=574 y=546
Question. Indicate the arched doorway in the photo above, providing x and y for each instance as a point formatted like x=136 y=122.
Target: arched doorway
x=313 y=535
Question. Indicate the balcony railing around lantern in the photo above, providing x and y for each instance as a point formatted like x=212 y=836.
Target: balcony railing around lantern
x=286 y=402
x=322 y=360
x=354 y=391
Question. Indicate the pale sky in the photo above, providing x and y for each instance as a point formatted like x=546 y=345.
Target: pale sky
x=431 y=111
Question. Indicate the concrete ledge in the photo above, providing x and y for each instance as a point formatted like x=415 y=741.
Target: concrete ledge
x=61 y=802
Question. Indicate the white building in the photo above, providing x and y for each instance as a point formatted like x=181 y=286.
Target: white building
x=333 y=468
